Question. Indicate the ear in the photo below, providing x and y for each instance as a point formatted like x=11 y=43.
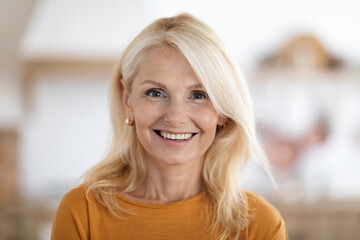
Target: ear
x=221 y=121
x=125 y=98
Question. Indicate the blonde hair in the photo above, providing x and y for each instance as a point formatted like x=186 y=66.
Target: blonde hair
x=123 y=169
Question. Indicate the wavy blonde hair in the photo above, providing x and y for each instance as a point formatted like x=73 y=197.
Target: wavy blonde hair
x=123 y=168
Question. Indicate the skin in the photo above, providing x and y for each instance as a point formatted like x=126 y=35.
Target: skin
x=166 y=96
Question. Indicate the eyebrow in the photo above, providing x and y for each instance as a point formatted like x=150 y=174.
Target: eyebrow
x=153 y=83
x=164 y=87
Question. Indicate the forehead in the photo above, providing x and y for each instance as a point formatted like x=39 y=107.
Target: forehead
x=166 y=64
x=164 y=55
x=162 y=51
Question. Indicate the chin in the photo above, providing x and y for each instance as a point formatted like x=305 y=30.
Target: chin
x=177 y=160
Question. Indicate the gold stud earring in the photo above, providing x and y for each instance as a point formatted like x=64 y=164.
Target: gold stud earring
x=128 y=122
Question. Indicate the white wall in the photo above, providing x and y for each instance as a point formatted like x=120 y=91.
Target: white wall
x=65 y=131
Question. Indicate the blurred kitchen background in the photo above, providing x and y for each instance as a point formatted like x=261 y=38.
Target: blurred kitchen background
x=302 y=63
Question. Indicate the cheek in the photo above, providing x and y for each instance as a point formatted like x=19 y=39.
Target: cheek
x=207 y=120
x=143 y=120
x=145 y=114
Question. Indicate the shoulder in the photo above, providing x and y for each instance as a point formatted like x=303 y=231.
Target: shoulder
x=265 y=220
x=76 y=194
x=75 y=199
x=261 y=209
x=71 y=218
x=74 y=202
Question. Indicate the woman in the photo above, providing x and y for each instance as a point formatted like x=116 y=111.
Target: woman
x=183 y=131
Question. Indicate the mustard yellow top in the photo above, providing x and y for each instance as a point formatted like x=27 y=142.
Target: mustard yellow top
x=78 y=218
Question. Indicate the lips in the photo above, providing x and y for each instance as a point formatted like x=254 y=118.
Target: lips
x=175 y=136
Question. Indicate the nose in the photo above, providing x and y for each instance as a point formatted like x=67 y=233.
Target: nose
x=176 y=113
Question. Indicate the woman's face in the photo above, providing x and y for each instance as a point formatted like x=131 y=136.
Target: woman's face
x=174 y=118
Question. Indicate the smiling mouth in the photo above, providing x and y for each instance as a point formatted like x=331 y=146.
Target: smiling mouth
x=175 y=137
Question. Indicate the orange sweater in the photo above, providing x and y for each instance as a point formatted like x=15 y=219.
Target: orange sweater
x=78 y=218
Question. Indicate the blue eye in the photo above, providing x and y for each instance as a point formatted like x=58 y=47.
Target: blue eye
x=199 y=95
x=154 y=93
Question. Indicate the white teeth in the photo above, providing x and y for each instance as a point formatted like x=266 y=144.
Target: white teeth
x=183 y=136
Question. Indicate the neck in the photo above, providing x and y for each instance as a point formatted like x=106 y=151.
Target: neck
x=169 y=183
